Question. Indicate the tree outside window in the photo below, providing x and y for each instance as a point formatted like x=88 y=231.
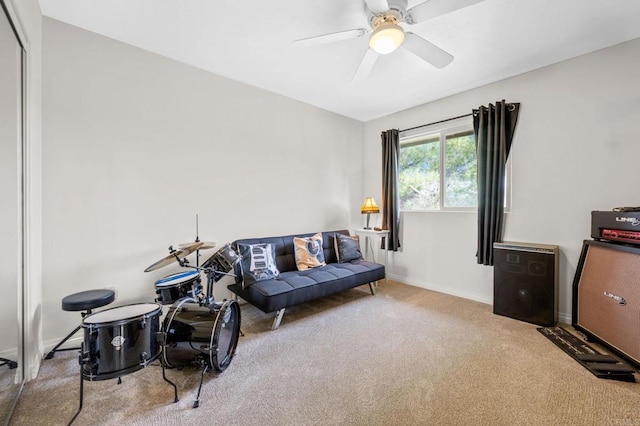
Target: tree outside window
x=438 y=170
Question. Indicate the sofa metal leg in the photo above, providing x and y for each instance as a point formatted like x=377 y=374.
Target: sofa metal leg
x=372 y=288
x=277 y=319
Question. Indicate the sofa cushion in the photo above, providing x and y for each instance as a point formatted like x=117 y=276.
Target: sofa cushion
x=308 y=252
x=294 y=287
x=347 y=248
x=257 y=263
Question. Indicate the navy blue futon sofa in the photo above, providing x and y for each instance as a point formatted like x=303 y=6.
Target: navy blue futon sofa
x=292 y=287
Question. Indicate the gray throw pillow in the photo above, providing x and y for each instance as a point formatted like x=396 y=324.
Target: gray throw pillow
x=347 y=248
x=257 y=262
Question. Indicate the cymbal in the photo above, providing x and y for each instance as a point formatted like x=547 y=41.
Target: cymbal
x=190 y=247
x=204 y=245
x=173 y=257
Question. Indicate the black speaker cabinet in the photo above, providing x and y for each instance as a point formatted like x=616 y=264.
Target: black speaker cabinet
x=606 y=296
x=525 y=282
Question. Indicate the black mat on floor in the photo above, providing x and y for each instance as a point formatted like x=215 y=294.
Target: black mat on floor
x=603 y=366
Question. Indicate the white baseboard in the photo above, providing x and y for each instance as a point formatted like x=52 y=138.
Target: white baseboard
x=441 y=289
x=11 y=353
x=482 y=298
x=73 y=342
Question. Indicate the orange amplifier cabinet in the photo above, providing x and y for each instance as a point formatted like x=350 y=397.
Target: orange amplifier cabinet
x=606 y=296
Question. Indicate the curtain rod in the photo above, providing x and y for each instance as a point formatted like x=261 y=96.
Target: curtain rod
x=436 y=122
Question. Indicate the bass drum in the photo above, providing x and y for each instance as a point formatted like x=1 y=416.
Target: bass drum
x=196 y=333
x=120 y=340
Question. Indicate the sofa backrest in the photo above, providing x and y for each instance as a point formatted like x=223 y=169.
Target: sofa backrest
x=285 y=257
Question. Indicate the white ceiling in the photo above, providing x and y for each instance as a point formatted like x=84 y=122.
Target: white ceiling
x=251 y=41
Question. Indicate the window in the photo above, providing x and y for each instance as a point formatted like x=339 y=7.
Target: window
x=438 y=169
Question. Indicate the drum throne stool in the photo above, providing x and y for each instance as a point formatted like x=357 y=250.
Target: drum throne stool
x=83 y=301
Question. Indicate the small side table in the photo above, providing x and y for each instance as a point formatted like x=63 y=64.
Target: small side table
x=378 y=235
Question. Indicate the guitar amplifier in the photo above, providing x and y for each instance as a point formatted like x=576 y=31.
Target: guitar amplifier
x=525 y=282
x=620 y=226
x=606 y=296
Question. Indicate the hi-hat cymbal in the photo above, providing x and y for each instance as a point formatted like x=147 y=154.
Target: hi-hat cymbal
x=190 y=247
x=204 y=245
x=173 y=257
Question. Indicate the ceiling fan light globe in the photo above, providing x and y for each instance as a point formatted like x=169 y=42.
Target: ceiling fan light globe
x=386 y=38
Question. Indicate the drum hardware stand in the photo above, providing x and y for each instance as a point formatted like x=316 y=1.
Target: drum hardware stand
x=84 y=302
x=205 y=366
x=5 y=361
x=212 y=273
x=161 y=338
x=85 y=358
x=53 y=351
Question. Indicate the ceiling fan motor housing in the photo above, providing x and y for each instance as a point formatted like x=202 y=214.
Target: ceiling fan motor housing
x=397 y=13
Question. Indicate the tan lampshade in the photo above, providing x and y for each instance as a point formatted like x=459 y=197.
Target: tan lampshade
x=369 y=206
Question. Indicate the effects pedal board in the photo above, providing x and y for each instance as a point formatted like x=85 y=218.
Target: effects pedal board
x=601 y=365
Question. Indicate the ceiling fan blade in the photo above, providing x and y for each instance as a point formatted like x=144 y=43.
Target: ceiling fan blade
x=377 y=6
x=366 y=64
x=427 y=50
x=433 y=8
x=330 y=38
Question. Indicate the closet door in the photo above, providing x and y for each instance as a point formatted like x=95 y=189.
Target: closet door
x=11 y=207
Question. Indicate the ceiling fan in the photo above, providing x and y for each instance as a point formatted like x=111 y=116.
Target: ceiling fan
x=387 y=34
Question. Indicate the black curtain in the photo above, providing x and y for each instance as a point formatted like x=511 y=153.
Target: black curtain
x=493 y=127
x=390 y=193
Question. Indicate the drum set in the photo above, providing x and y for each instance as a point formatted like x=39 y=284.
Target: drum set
x=197 y=330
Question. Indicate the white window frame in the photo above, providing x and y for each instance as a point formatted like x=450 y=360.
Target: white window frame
x=442 y=130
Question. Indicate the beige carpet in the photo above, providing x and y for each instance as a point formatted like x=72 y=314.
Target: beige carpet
x=406 y=356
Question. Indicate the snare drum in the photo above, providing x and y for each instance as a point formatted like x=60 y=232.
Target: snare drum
x=195 y=332
x=177 y=286
x=223 y=259
x=120 y=340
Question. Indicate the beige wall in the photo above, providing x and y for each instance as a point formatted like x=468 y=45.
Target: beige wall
x=574 y=151
x=137 y=145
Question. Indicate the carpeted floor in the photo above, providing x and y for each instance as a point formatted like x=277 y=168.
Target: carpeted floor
x=406 y=356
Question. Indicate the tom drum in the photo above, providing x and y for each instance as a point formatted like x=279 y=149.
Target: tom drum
x=177 y=286
x=223 y=259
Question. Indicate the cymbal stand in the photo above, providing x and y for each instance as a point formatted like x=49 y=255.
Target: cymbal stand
x=212 y=272
x=213 y=275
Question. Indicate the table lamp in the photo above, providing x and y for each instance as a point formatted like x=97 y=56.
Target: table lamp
x=369 y=207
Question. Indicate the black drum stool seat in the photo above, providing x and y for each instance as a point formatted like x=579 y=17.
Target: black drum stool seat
x=82 y=301
x=87 y=300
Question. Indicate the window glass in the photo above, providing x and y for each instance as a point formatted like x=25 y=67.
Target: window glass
x=438 y=168
x=419 y=175
x=460 y=182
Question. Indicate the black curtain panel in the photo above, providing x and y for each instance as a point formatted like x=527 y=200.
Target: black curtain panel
x=390 y=193
x=493 y=126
